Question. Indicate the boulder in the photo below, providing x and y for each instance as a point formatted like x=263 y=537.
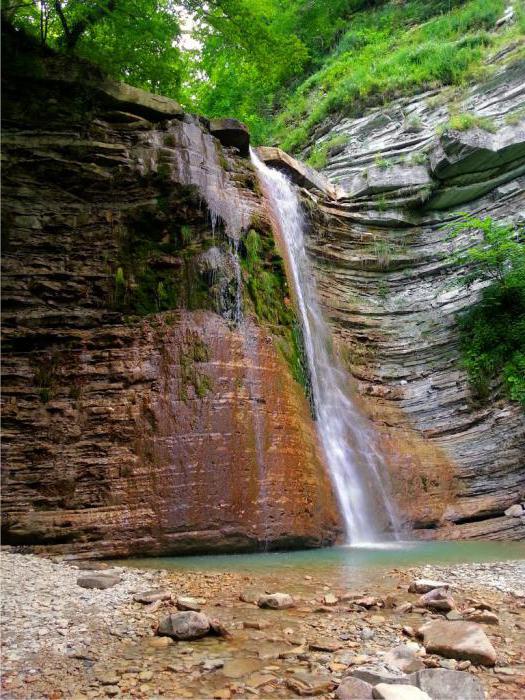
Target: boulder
x=101 y=581
x=231 y=133
x=484 y=616
x=515 y=511
x=186 y=625
x=136 y=101
x=188 y=603
x=458 y=640
x=250 y=595
x=310 y=684
x=276 y=601
x=477 y=150
x=354 y=689
x=438 y=600
x=440 y=683
x=384 y=691
x=424 y=585
x=298 y=172
x=379 y=673
x=152 y=596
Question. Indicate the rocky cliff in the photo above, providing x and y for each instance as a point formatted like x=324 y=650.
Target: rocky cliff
x=140 y=416
x=382 y=257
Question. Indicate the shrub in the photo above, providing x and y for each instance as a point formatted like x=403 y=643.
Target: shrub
x=492 y=332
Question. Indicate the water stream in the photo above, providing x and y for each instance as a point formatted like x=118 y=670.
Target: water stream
x=356 y=466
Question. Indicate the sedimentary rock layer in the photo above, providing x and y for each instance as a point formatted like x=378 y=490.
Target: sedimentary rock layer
x=382 y=257
x=139 y=417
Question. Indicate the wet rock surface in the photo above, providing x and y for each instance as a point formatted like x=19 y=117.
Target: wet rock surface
x=382 y=260
x=135 y=413
x=61 y=640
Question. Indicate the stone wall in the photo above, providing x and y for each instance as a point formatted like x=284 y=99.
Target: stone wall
x=382 y=258
x=139 y=418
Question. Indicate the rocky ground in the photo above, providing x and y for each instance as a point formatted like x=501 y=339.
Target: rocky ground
x=329 y=636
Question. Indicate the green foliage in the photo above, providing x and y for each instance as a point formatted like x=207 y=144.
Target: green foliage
x=515 y=117
x=320 y=153
x=382 y=163
x=493 y=331
x=462 y=122
x=132 y=40
x=389 y=50
x=266 y=290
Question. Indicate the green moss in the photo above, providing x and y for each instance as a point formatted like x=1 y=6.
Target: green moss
x=266 y=293
x=192 y=352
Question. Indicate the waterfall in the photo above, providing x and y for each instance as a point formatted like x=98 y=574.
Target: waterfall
x=356 y=466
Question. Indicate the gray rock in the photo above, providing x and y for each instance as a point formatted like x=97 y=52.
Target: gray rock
x=454 y=615
x=477 y=150
x=458 y=640
x=152 y=596
x=404 y=657
x=188 y=603
x=101 y=581
x=441 y=683
x=438 y=599
x=276 y=601
x=184 y=625
x=250 y=595
x=424 y=585
x=298 y=172
x=137 y=101
x=379 y=673
x=515 y=511
x=354 y=689
x=384 y=691
x=231 y=132
x=377 y=180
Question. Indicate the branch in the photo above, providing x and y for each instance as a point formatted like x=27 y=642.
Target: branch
x=79 y=27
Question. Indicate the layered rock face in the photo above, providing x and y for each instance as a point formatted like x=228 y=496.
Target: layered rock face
x=140 y=416
x=382 y=257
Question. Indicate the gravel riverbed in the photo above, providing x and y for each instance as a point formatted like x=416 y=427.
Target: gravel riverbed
x=63 y=640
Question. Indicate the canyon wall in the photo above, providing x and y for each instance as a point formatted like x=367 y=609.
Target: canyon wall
x=139 y=415
x=382 y=257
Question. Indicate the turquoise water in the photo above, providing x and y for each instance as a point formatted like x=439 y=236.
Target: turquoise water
x=364 y=558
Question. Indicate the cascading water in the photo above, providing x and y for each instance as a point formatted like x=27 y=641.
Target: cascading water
x=355 y=464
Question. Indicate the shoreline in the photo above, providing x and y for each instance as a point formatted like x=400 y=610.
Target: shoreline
x=62 y=640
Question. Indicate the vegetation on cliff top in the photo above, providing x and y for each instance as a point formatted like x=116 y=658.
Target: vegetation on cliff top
x=282 y=68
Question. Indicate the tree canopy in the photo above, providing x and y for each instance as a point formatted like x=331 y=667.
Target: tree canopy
x=281 y=66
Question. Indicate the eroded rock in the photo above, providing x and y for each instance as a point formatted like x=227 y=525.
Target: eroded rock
x=184 y=625
x=384 y=691
x=276 y=601
x=458 y=640
x=100 y=581
x=152 y=596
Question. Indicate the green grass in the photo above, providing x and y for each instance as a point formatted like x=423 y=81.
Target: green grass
x=320 y=153
x=462 y=122
x=393 y=50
